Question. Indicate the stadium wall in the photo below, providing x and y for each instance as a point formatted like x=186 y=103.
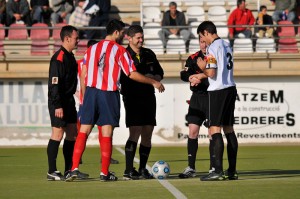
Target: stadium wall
x=267 y=111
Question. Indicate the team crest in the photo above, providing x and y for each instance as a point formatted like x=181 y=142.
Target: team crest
x=54 y=80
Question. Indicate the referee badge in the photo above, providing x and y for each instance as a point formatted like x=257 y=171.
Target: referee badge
x=54 y=80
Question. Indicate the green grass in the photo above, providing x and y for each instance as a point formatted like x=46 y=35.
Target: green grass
x=264 y=172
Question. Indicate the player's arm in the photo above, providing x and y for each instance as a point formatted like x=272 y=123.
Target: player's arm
x=187 y=71
x=202 y=64
x=56 y=80
x=82 y=80
x=136 y=76
x=158 y=71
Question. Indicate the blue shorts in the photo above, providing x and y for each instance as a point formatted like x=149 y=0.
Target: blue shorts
x=100 y=107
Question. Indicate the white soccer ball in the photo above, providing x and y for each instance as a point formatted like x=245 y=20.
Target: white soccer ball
x=160 y=170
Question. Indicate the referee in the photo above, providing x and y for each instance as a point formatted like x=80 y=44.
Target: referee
x=61 y=104
x=140 y=103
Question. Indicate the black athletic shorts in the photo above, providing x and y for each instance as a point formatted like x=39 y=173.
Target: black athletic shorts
x=70 y=113
x=221 y=107
x=140 y=111
x=197 y=109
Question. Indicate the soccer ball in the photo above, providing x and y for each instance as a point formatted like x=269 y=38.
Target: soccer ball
x=160 y=170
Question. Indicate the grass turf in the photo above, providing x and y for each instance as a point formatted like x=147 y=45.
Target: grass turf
x=264 y=172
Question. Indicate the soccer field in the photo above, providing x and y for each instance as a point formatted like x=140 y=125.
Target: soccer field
x=264 y=172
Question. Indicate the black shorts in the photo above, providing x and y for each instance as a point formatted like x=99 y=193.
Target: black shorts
x=197 y=109
x=70 y=113
x=221 y=107
x=140 y=111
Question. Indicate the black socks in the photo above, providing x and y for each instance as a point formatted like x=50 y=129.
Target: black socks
x=52 y=151
x=192 y=148
x=68 y=148
x=130 y=149
x=232 y=149
x=144 y=155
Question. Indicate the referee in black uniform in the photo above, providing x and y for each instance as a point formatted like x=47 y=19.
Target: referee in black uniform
x=197 y=111
x=61 y=104
x=140 y=103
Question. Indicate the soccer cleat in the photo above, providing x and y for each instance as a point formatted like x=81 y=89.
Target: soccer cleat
x=188 y=173
x=55 y=176
x=80 y=175
x=144 y=173
x=131 y=175
x=231 y=175
x=213 y=176
x=110 y=177
x=72 y=175
x=113 y=161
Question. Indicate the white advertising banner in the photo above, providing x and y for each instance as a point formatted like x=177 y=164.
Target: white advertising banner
x=267 y=111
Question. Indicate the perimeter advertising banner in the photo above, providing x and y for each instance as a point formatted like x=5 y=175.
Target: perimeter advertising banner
x=267 y=111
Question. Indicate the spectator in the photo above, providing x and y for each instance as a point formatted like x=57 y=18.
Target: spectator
x=2 y=11
x=62 y=10
x=41 y=11
x=284 y=10
x=17 y=11
x=240 y=16
x=173 y=17
x=99 y=9
x=79 y=18
x=264 y=19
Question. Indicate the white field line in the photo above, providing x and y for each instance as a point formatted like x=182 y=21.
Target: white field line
x=176 y=193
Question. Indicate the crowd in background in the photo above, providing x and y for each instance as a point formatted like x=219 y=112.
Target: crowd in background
x=95 y=13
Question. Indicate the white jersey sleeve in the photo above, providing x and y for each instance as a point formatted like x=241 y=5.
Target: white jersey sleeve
x=220 y=57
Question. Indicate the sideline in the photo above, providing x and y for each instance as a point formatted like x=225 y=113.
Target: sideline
x=176 y=193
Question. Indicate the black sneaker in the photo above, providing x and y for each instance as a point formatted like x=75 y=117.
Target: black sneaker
x=144 y=173
x=131 y=175
x=72 y=175
x=110 y=177
x=55 y=176
x=188 y=173
x=231 y=175
x=213 y=176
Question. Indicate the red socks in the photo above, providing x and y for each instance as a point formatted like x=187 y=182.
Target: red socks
x=105 y=150
x=78 y=149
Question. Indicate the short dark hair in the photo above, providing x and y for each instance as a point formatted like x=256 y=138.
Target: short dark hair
x=239 y=2
x=172 y=3
x=133 y=29
x=208 y=26
x=67 y=31
x=114 y=25
x=262 y=7
x=91 y=42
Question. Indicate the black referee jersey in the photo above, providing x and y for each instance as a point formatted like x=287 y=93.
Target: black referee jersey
x=62 y=80
x=147 y=63
x=192 y=68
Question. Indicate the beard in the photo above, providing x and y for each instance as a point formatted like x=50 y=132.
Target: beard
x=119 y=40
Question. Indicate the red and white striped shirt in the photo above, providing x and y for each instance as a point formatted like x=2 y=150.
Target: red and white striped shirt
x=104 y=61
x=80 y=64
